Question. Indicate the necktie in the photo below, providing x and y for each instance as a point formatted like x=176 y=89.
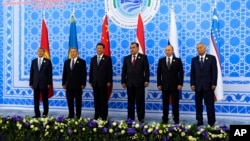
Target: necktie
x=201 y=62
x=98 y=60
x=39 y=63
x=168 y=63
x=133 y=61
x=72 y=64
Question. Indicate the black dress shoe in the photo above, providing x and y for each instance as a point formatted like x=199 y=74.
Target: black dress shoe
x=199 y=123
x=164 y=121
x=36 y=116
x=211 y=124
x=69 y=117
x=176 y=122
x=45 y=116
x=141 y=121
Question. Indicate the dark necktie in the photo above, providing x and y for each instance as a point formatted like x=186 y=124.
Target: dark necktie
x=72 y=64
x=168 y=63
x=201 y=62
x=133 y=61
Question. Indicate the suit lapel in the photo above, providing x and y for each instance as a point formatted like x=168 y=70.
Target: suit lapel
x=138 y=57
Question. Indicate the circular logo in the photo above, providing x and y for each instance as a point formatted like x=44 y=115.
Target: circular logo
x=124 y=13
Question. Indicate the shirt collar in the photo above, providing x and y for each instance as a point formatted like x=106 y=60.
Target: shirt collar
x=99 y=55
x=74 y=59
x=171 y=57
x=135 y=55
x=40 y=58
x=203 y=56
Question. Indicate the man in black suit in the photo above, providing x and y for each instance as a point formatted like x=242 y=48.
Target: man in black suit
x=203 y=82
x=40 y=81
x=135 y=77
x=74 y=81
x=170 y=77
x=100 y=78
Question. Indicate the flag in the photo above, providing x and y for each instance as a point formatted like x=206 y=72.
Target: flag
x=72 y=35
x=105 y=41
x=44 y=43
x=173 y=35
x=140 y=35
x=214 y=50
x=173 y=40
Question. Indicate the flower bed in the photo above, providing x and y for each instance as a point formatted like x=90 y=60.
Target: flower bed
x=18 y=128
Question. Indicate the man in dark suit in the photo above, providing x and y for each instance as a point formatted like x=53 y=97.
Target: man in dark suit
x=170 y=77
x=100 y=78
x=203 y=82
x=40 y=81
x=74 y=81
x=135 y=77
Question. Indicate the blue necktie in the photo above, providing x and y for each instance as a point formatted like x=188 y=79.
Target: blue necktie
x=98 y=60
x=39 y=63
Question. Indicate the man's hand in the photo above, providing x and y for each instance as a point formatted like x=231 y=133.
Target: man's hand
x=64 y=86
x=145 y=84
x=124 y=85
x=213 y=87
x=159 y=87
x=193 y=88
x=179 y=87
x=108 y=84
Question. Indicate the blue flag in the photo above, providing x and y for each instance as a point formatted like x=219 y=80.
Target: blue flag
x=215 y=50
x=73 y=34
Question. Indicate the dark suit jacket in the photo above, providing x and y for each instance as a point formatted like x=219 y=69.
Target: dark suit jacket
x=100 y=74
x=135 y=75
x=43 y=77
x=206 y=76
x=75 y=78
x=170 y=78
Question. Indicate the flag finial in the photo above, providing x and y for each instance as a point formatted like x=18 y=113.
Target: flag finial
x=215 y=4
x=73 y=12
x=140 y=8
x=43 y=15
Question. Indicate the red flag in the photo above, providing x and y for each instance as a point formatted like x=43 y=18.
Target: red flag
x=105 y=41
x=140 y=35
x=45 y=44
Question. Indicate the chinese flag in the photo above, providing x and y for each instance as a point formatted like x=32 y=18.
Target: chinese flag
x=45 y=44
x=140 y=35
x=105 y=41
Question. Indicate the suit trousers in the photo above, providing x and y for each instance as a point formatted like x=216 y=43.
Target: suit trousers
x=175 y=105
x=101 y=102
x=209 y=102
x=44 y=94
x=136 y=95
x=74 y=95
